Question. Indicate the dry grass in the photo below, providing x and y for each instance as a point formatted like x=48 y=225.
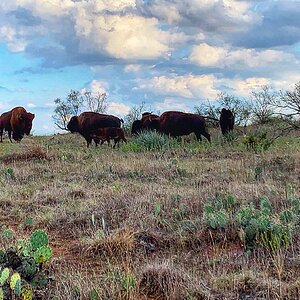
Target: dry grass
x=128 y=225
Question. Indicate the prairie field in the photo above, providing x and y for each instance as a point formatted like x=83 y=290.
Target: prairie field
x=190 y=220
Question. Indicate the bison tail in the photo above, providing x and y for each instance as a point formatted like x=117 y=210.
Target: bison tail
x=122 y=121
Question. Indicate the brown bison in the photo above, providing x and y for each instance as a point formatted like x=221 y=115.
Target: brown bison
x=17 y=121
x=175 y=123
x=108 y=133
x=146 y=123
x=226 y=121
x=87 y=122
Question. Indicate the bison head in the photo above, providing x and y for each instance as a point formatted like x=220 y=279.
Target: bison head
x=151 y=122
x=26 y=121
x=17 y=136
x=73 y=124
x=136 y=127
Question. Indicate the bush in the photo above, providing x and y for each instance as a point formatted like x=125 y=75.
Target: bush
x=152 y=140
x=257 y=141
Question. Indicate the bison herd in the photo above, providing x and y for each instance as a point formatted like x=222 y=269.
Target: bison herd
x=102 y=128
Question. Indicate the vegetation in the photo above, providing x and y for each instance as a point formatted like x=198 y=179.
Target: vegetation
x=157 y=218
x=21 y=267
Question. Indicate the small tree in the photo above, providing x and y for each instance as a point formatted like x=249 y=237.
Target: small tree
x=67 y=108
x=75 y=103
x=96 y=102
x=241 y=109
x=262 y=104
x=289 y=101
x=134 y=113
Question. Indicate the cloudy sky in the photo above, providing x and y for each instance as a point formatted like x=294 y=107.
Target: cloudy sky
x=170 y=54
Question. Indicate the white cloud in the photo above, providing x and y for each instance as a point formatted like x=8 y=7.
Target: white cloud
x=14 y=43
x=171 y=104
x=31 y=105
x=123 y=37
x=209 y=56
x=132 y=68
x=119 y=109
x=188 y=86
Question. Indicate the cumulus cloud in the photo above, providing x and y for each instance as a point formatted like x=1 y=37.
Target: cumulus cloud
x=207 y=15
x=188 y=86
x=222 y=57
x=171 y=104
x=124 y=37
x=117 y=108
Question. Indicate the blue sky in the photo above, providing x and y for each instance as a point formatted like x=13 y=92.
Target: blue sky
x=170 y=54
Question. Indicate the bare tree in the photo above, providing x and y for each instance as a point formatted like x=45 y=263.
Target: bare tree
x=65 y=109
x=134 y=114
x=95 y=102
x=289 y=102
x=240 y=108
x=262 y=104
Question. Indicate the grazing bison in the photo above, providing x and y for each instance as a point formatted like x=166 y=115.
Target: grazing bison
x=17 y=121
x=146 y=123
x=87 y=122
x=175 y=123
x=226 y=121
x=108 y=133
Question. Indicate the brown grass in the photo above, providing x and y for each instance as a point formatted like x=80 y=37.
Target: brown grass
x=129 y=225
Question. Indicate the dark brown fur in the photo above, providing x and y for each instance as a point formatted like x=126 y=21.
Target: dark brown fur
x=16 y=122
x=226 y=121
x=175 y=123
x=108 y=133
x=87 y=122
x=144 y=123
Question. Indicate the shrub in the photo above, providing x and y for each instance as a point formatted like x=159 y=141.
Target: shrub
x=152 y=140
x=257 y=141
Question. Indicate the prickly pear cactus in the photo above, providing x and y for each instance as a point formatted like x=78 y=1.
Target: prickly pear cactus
x=15 y=283
x=4 y=276
x=42 y=254
x=26 y=293
x=24 y=261
x=38 y=239
x=29 y=268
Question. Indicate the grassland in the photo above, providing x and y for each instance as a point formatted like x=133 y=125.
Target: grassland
x=130 y=224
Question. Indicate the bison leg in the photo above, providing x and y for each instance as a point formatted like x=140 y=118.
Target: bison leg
x=198 y=136
x=207 y=135
x=1 y=135
x=9 y=136
x=88 y=142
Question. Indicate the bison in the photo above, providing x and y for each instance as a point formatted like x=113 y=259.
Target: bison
x=17 y=121
x=146 y=123
x=226 y=121
x=175 y=123
x=108 y=133
x=87 y=122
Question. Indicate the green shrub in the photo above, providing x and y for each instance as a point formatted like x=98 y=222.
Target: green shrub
x=152 y=140
x=257 y=141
